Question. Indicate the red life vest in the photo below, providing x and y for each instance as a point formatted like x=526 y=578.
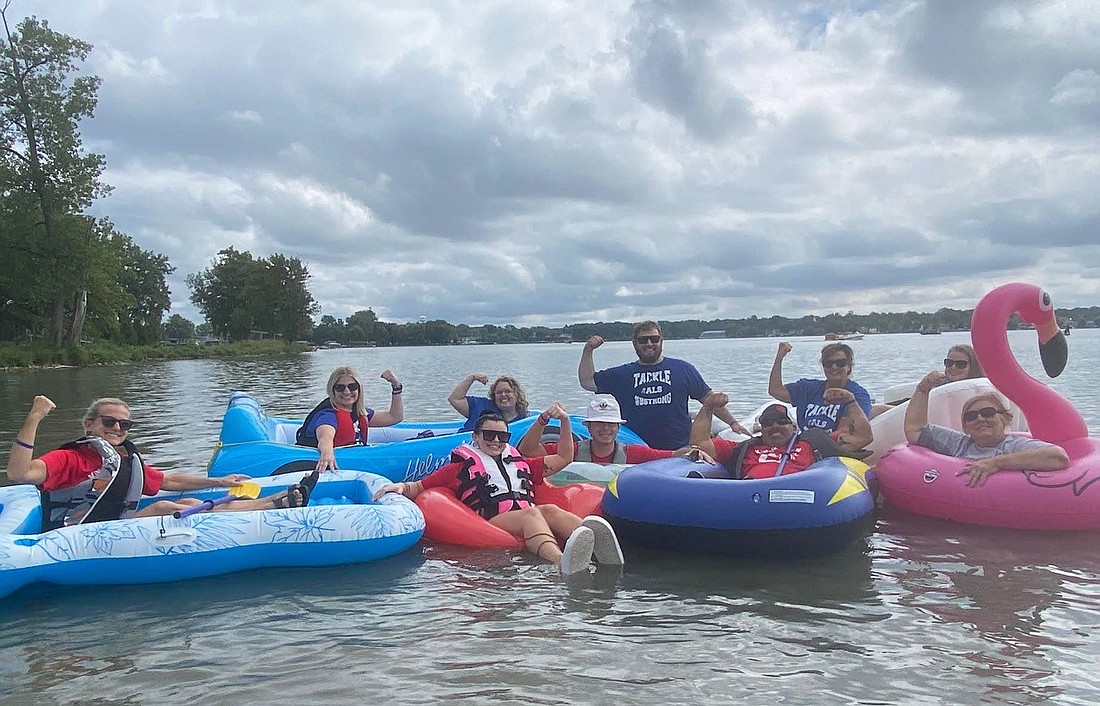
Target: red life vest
x=345 y=427
x=489 y=485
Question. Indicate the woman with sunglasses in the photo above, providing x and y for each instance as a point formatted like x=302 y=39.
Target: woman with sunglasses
x=961 y=363
x=493 y=480
x=342 y=419
x=836 y=404
x=102 y=476
x=506 y=398
x=983 y=438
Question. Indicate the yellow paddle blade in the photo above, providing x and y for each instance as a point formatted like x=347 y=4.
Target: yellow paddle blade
x=245 y=489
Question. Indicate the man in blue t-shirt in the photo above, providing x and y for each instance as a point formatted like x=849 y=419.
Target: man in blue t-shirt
x=652 y=391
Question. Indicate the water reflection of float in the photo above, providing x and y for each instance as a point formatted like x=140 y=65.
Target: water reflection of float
x=920 y=481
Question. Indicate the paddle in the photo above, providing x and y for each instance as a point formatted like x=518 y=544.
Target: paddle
x=246 y=489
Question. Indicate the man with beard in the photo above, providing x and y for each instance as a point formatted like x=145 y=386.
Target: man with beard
x=652 y=391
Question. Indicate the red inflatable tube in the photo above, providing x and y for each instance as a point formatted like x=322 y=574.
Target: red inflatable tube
x=447 y=520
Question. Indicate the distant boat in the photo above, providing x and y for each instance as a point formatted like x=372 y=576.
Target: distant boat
x=844 y=336
x=713 y=334
x=930 y=333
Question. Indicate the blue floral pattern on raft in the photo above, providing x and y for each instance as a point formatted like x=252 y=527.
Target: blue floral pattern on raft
x=340 y=532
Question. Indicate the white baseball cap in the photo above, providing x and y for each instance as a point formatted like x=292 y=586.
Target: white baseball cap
x=604 y=408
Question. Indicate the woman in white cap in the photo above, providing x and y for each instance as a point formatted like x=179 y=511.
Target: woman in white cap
x=603 y=420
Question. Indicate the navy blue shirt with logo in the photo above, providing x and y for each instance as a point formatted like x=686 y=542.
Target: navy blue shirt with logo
x=654 y=398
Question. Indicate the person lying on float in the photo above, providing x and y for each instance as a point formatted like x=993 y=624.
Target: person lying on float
x=984 y=438
x=602 y=420
x=493 y=480
x=779 y=449
x=101 y=476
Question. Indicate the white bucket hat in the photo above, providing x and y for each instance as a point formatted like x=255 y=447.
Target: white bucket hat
x=604 y=408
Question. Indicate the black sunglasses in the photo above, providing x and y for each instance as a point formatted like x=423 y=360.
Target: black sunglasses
x=986 y=412
x=123 y=424
x=350 y=387
x=491 y=434
x=647 y=339
x=764 y=423
x=834 y=363
x=947 y=363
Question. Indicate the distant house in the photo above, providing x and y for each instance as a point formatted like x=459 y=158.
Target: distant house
x=713 y=334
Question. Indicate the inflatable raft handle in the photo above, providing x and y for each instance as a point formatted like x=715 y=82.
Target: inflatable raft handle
x=250 y=491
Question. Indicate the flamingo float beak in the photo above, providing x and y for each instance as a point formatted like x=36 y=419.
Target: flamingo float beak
x=1053 y=348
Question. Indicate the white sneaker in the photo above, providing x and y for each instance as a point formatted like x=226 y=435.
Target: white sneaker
x=608 y=551
x=577 y=554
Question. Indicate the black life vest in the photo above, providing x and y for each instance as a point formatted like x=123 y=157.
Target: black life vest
x=118 y=499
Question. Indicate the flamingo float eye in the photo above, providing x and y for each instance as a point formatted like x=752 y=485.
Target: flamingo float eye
x=1045 y=304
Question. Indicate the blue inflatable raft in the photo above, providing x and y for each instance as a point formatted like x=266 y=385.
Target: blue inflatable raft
x=817 y=511
x=256 y=444
x=342 y=524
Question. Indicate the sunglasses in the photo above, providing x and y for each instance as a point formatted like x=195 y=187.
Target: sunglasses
x=960 y=364
x=123 y=424
x=765 y=423
x=985 y=412
x=494 y=435
x=647 y=339
x=350 y=387
x=835 y=363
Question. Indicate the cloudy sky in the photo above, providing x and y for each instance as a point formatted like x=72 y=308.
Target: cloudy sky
x=563 y=160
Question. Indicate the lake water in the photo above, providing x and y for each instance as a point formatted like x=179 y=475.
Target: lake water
x=922 y=612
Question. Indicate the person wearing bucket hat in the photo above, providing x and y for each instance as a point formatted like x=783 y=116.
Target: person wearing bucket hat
x=653 y=390
x=779 y=449
x=602 y=420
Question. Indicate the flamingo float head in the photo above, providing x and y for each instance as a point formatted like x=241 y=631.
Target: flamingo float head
x=1049 y=415
x=1038 y=310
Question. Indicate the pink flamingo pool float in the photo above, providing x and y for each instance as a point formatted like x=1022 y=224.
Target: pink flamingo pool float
x=921 y=481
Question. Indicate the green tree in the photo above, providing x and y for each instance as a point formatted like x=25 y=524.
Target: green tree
x=178 y=328
x=41 y=156
x=239 y=294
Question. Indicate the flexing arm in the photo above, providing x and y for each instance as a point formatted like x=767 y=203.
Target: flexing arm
x=916 y=413
x=776 y=388
x=531 y=443
x=564 y=456
x=854 y=428
x=586 y=371
x=21 y=468
x=458 y=395
x=397 y=405
x=700 y=428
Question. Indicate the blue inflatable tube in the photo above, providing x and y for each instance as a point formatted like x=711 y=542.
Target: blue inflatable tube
x=817 y=511
x=341 y=525
x=253 y=443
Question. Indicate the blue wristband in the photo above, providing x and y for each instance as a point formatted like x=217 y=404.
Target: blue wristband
x=24 y=444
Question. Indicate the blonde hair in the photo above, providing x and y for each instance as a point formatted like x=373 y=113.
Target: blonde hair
x=974 y=370
x=521 y=398
x=93 y=409
x=358 y=408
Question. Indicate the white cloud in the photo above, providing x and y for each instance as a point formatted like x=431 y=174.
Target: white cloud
x=562 y=161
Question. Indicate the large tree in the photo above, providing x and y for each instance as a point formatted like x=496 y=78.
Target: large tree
x=41 y=105
x=240 y=295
